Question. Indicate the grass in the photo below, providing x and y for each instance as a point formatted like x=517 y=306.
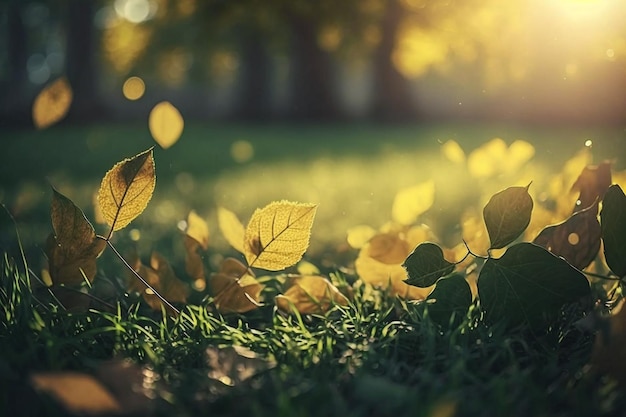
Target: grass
x=376 y=357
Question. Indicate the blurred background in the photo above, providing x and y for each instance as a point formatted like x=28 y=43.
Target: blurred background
x=344 y=103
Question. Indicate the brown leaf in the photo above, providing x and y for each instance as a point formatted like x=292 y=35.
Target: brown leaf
x=577 y=239
x=79 y=393
x=162 y=278
x=592 y=184
x=234 y=288
x=73 y=247
x=310 y=295
x=278 y=235
x=193 y=263
x=52 y=103
x=388 y=248
x=126 y=189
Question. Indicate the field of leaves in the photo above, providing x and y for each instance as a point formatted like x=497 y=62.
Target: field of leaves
x=508 y=302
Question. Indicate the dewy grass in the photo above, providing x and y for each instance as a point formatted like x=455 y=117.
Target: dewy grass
x=376 y=356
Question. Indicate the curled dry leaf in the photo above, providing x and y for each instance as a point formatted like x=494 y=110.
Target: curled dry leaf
x=231 y=228
x=310 y=295
x=166 y=124
x=592 y=184
x=52 y=103
x=161 y=277
x=388 y=248
x=507 y=214
x=411 y=202
x=234 y=288
x=278 y=235
x=126 y=189
x=198 y=229
x=577 y=239
x=73 y=247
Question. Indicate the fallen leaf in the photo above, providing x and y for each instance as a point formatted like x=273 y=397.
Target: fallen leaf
x=79 y=393
x=73 y=247
x=194 y=267
x=231 y=228
x=126 y=189
x=310 y=295
x=507 y=214
x=528 y=284
x=577 y=240
x=234 y=288
x=359 y=235
x=52 y=103
x=409 y=203
x=613 y=221
x=426 y=264
x=278 y=235
x=592 y=184
x=388 y=248
x=198 y=229
x=166 y=124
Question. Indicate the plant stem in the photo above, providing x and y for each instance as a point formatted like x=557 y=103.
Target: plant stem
x=140 y=278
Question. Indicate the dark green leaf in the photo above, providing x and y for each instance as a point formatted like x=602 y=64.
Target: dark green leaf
x=577 y=239
x=613 y=219
x=426 y=264
x=527 y=284
x=507 y=215
x=452 y=296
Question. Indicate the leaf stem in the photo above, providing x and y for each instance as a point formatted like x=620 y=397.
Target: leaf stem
x=606 y=277
x=140 y=278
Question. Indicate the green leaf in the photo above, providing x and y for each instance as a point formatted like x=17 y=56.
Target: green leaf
x=426 y=264
x=507 y=215
x=452 y=297
x=613 y=220
x=528 y=283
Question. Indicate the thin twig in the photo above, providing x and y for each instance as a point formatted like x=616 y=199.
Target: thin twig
x=140 y=278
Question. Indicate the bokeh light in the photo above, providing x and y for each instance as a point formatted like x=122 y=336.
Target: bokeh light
x=134 y=88
x=241 y=151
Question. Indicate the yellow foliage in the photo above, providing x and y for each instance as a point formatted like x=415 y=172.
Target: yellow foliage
x=411 y=202
x=494 y=158
x=278 y=234
x=198 y=229
x=126 y=190
x=166 y=124
x=231 y=228
x=52 y=103
x=359 y=235
x=124 y=42
x=310 y=295
x=453 y=152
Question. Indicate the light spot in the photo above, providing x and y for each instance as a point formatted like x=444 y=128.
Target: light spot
x=185 y=183
x=133 y=88
x=241 y=151
x=610 y=53
x=134 y=235
x=182 y=225
x=588 y=143
x=573 y=239
x=199 y=284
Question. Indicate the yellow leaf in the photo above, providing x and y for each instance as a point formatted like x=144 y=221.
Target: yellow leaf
x=52 y=103
x=126 y=189
x=453 y=152
x=518 y=154
x=73 y=247
x=78 y=393
x=231 y=228
x=234 y=288
x=198 y=229
x=278 y=234
x=359 y=235
x=483 y=162
x=311 y=295
x=166 y=124
x=411 y=202
x=388 y=248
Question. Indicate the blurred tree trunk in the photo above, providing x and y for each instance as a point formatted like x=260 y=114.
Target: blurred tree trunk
x=392 y=101
x=312 y=90
x=14 y=104
x=254 y=88
x=80 y=61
